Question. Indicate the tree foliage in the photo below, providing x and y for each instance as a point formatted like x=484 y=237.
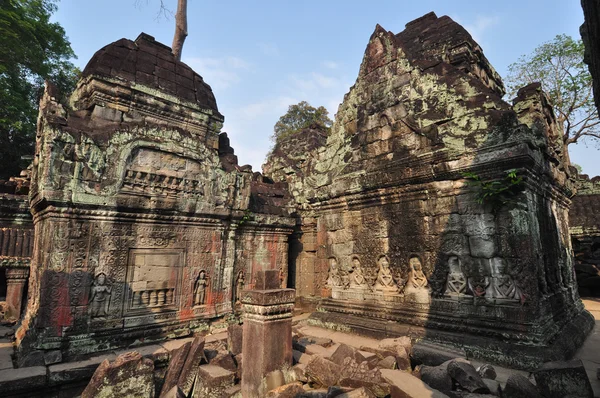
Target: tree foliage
x=32 y=49
x=559 y=66
x=298 y=117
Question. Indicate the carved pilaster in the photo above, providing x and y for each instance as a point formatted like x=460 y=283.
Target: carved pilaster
x=15 y=283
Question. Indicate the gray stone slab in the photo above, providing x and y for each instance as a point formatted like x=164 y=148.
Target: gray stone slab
x=22 y=379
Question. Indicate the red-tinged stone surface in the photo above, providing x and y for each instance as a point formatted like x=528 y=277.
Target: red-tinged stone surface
x=267 y=335
x=149 y=194
x=193 y=361
x=176 y=364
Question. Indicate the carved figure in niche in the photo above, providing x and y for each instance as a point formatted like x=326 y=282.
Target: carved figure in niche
x=100 y=296
x=239 y=286
x=200 y=289
x=478 y=285
x=357 y=278
x=416 y=277
x=416 y=289
x=385 y=280
x=502 y=285
x=335 y=276
x=456 y=282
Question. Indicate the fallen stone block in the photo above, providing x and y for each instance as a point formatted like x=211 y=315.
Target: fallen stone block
x=76 y=371
x=431 y=356
x=130 y=375
x=467 y=377
x=322 y=372
x=190 y=367
x=487 y=371
x=300 y=372
x=212 y=381
x=358 y=393
x=388 y=362
x=286 y=391
x=315 y=349
x=345 y=351
x=234 y=338
x=519 y=386
x=174 y=392
x=397 y=345
x=233 y=392
x=494 y=386
x=224 y=360
x=405 y=385
x=301 y=357
x=436 y=377
x=563 y=379
x=178 y=357
x=378 y=388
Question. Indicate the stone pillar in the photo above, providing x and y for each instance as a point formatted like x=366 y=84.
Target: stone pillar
x=267 y=331
x=15 y=282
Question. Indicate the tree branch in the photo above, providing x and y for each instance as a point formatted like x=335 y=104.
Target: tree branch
x=181 y=30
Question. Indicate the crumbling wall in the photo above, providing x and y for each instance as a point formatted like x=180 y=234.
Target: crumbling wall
x=392 y=227
x=584 y=220
x=140 y=209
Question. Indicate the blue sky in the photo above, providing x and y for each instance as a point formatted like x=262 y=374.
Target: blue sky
x=261 y=56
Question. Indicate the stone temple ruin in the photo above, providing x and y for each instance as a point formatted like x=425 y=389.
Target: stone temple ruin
x=144 y=228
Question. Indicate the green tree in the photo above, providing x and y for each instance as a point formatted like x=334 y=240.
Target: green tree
x=32 y=49
x=298 y=117
x=559 y=66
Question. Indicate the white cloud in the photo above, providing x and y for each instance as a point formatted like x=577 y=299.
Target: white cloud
x=220 y=73
x=330 y=64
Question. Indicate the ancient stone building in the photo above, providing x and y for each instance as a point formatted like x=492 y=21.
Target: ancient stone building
x=434 y=207
x=145 y=226
x=584 y=219
x=16 y=245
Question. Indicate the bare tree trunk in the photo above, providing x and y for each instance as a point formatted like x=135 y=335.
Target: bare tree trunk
x=181 y=31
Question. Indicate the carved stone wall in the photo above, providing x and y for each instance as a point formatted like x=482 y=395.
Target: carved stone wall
x=140 y=209
x=392 y=230
x=16 y=244
x=584 y=227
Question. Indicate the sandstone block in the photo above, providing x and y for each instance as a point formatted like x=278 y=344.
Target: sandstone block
x=178 y=357
x=300 y=372
x=519 y=386
x=174 y=392
x=345 y=351
x=467 y=377
x=388 y=362
x=494 y=386
x=405 y=385
x=224 y=360
x=130 y=375
x=191 y=365
x=291 y=390
x=234 y=339
x=358 y=393
x=300 y=357
x=564 y=379
x=487 y=371
x=212 y=381
x=323 y=372
x=436 y=377
x=431 y=356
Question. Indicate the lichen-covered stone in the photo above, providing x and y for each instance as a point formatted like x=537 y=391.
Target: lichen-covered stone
x=394 y=225
x=130 y=375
